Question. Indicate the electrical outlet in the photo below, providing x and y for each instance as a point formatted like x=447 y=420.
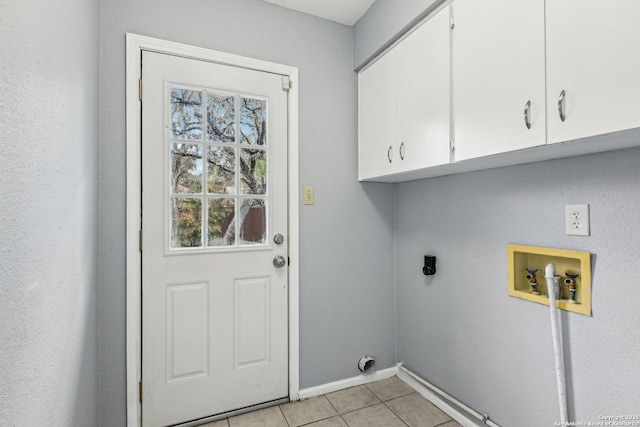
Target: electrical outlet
x=308 y=196
x=577 y=220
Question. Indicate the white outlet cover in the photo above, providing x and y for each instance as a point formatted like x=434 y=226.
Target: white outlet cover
x=577 y=220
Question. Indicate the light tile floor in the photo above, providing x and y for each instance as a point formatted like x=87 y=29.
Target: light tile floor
x=385 y=403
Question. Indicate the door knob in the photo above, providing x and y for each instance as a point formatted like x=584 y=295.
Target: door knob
x=279 y=261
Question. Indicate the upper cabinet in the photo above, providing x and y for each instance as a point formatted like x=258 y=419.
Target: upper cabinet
x=498 y=76
x=404 y=104
x=593 y=67
x=377 y=118
x=500 y=83
x=423 y=95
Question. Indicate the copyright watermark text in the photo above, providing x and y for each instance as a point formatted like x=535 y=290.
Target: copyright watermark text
x=604 y=421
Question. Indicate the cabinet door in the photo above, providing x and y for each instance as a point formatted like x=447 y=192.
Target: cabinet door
x=593 y=55
x=423 y=98
x=377 y=118
x=498 y=69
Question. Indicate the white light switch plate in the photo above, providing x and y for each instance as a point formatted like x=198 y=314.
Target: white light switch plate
x=577 y=220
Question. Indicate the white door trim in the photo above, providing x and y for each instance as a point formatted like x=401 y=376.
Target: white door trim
x=135 y=45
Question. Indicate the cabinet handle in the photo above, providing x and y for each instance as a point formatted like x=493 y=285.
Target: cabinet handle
x=402 y=151
x=561 y=105
x=527 y=107
x=389 y=153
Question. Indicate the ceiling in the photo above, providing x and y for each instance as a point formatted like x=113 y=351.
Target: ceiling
x=345 y=12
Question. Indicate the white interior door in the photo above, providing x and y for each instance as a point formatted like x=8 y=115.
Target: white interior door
x=214 y=195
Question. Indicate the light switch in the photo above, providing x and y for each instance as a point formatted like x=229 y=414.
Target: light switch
x=308 y=196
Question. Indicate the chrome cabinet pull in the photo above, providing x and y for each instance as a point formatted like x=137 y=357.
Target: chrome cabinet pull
x=561 y=105
x=527 y=107
x=389 y=152
x=402 y=151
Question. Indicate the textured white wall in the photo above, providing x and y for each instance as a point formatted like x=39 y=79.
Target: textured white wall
x=460 y=329
x=346 y=265
x=48 y=212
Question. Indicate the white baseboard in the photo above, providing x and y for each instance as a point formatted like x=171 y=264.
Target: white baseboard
x=349 y=382
x=449 y=408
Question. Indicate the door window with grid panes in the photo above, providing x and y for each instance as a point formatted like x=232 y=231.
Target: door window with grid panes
x=218 y=153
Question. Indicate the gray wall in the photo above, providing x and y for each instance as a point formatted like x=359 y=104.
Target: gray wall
x=346 y=265
x=48 y=212
x=460 y=330
x=384 y=22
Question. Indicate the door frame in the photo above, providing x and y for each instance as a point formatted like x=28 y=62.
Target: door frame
x=135 y=44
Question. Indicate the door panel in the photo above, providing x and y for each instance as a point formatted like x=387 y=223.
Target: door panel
x=187 y=331
x=377 y=118
x=214 y=306
x=252 y=318
x=593 y=55
x=423 y=100
x=498 y=66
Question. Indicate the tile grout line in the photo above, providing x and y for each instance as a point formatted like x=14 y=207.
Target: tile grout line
x=380 y=401
x=384 y=402
x=332 y=405
x=284 y=416
x=398 y=415
x=321 y=419
x=394 y=412
x=326 y=418
x=357 y=409
x=374 y=393
x=340 y=415
x=366 y=406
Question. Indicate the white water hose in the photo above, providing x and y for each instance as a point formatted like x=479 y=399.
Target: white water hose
x=553 y=283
